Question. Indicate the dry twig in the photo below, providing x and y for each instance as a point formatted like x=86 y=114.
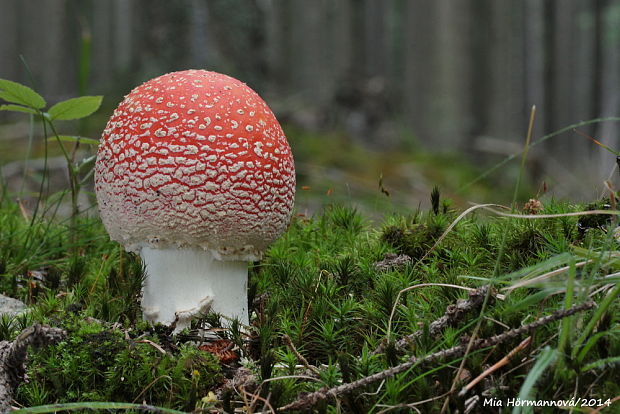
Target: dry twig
x=308 y=400
x=299 y=356
x=502 y=362
x=454 y=314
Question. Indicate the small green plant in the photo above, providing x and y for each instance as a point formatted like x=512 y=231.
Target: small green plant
x=23 y=99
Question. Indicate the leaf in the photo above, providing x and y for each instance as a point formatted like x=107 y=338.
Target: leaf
x=18 y=108
x=528 y=392
x=20 y=94
x=74 y=138
x=75 y=108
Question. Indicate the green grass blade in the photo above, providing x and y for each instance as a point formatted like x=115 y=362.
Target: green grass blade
x=565 y=325
x=528 y=390
x=52 y=408
x=600 y=363
x=591 y=342
x=602 y=308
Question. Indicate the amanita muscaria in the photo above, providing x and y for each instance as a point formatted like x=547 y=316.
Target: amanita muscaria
x=195 y=174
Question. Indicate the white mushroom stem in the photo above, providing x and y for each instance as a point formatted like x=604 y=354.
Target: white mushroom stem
x=183 y=283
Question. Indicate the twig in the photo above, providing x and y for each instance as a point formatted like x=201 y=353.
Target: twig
x=308 y=400
x=454 y=313
x=598 y=409
x=502 y=362
x=540 y=278
x=545 y=216
x=153 y=344
x=299 y=356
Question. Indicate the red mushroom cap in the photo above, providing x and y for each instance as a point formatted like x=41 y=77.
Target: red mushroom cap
x=195 y=158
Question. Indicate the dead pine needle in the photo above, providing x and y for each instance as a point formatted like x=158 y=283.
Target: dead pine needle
x=499 y=364
x=299 y=356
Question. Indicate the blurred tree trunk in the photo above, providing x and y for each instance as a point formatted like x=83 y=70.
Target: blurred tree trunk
x=505 y=101
x=610 y=82
x=102 y=44
x=420 y=23
x=9 y=46
x=41 y=44
x=449 y=72
x=122 y=34
x=453 y=99
x=534 y=59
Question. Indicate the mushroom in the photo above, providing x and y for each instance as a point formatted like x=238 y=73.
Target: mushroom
x=195 y=174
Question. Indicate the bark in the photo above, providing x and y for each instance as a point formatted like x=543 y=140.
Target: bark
x=13 y=358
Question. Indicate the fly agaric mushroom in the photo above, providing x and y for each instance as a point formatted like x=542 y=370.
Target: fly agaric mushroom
x=194 y=173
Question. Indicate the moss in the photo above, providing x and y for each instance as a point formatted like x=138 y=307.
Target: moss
x=97 y=363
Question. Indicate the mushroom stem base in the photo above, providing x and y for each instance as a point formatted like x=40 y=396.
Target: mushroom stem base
x=183 y=283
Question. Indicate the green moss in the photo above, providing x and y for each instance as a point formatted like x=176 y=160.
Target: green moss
x=97 y=363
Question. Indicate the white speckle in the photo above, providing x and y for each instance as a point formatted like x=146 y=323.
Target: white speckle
x=257 y=148
x=249 y=128
x=191 y=149
x=160 y=133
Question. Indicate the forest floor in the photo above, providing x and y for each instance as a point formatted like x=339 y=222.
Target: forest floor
x=468 y=311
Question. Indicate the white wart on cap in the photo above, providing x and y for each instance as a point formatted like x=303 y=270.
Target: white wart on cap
x=194 y=168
